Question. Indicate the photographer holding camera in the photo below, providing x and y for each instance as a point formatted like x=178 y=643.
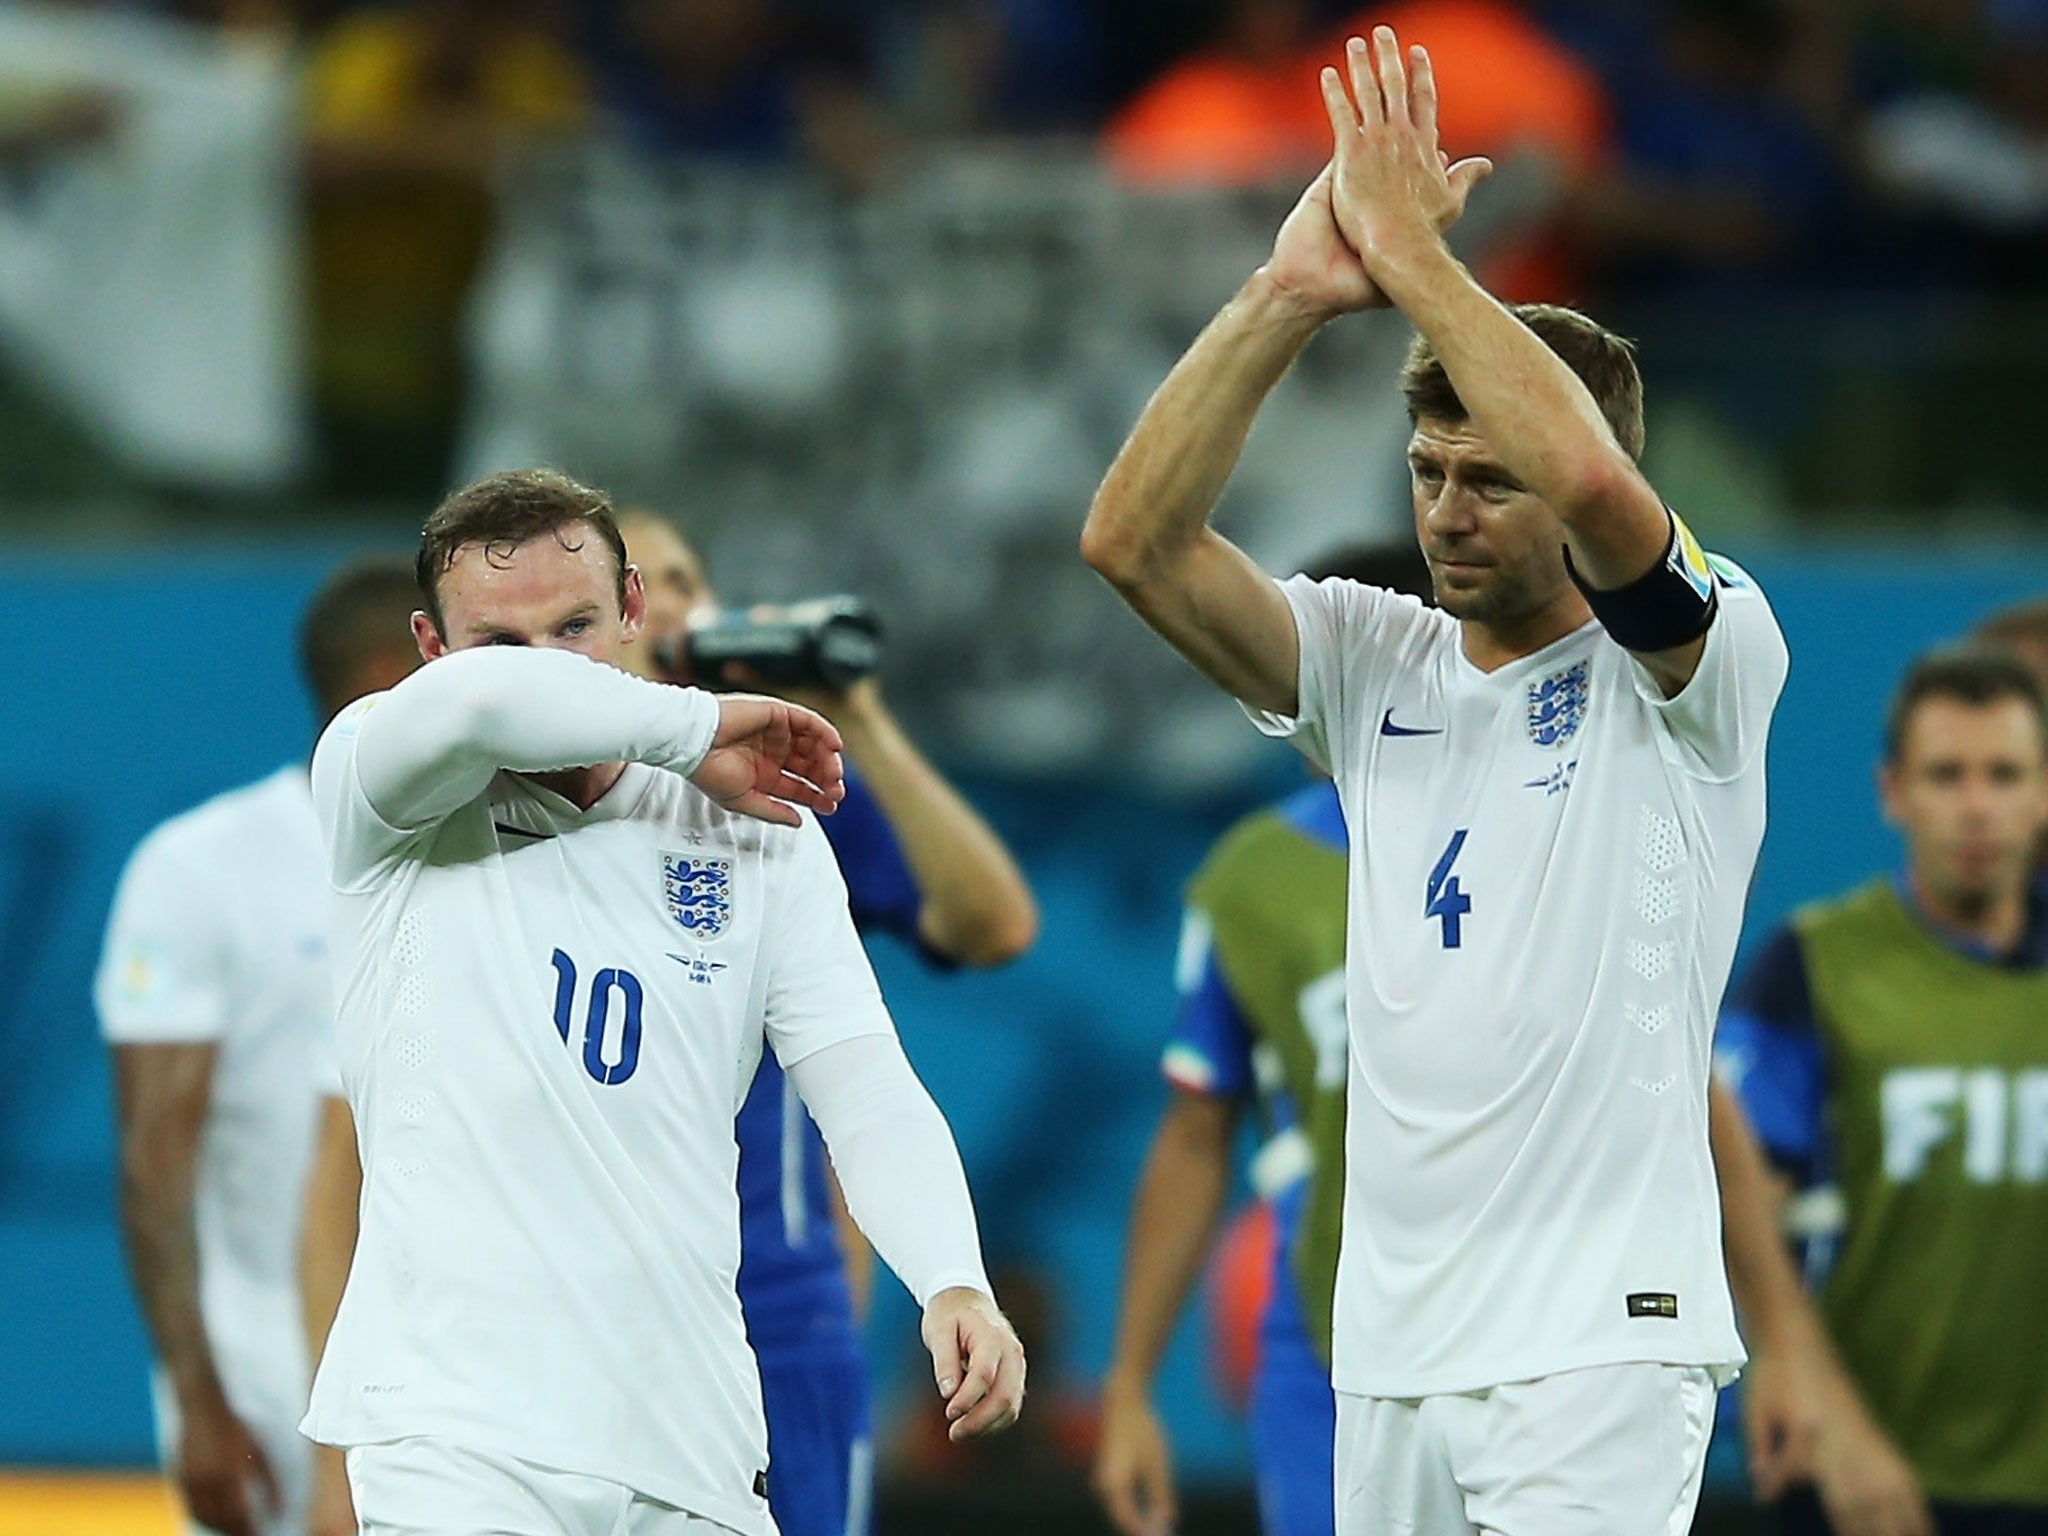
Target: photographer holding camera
x=920 y=864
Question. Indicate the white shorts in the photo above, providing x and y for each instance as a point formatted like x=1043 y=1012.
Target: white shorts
x=429 y=1487
x=1612 y=1450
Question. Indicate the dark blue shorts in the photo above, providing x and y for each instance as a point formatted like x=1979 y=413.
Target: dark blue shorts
x=1294 y=1440
x=821 y=1448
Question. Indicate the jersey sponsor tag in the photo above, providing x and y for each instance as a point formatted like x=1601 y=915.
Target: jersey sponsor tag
x=698 y=893
x=1652 y=1304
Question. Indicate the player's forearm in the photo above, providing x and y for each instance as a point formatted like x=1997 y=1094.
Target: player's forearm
x=1534 y=412
x=1157 y=497
x=896 y=1162
x=327 y=1245
x=974 y=904
x=433 y=743
x=161 y=1238
x=1773 y=1304
x=1180 y=1199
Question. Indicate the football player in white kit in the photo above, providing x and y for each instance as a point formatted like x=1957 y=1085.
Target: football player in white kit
x=1554 y=789
x=570 y=905
x=213 y=992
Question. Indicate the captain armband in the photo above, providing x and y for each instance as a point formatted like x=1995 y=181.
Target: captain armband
x=1671 y=604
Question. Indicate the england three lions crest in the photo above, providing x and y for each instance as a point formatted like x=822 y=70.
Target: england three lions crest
x=1557 y=705
x=698 y=893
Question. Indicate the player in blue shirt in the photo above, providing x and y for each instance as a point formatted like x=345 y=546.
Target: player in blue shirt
x=921 y=865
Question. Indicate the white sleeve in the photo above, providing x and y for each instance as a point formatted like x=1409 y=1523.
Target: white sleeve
x=896 y=1161
x=1719 y=720
x=397 y=762
x=820 y=987
x=163 y=971
x=1352 y=639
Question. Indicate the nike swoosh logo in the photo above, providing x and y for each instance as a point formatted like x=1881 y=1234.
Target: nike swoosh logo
x=539 y=837
x=1388 y=728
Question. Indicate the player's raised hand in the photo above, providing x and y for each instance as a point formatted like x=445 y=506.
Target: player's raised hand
x=1393 y=191
x=977 y=1362
x=223 y=1474
x=1133 y=1467
x=771 y=756
x=1312 y=261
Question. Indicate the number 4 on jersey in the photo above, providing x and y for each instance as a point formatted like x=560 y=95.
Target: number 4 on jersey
x=1445 y=901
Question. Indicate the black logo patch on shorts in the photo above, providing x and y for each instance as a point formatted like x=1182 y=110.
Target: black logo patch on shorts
x=1652 y=1304
x=761 y=1484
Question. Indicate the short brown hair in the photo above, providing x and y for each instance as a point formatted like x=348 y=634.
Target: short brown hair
x=1604 y=362
x=362 y=612
x=506 y=510
x=1976 y=675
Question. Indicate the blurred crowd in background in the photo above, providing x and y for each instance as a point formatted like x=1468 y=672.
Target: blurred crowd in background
x=866 y=293
x=1728 y=152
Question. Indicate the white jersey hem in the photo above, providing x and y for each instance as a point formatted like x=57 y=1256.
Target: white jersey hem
x=1722 y=1368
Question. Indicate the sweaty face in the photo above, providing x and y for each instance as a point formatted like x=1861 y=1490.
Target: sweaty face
x=1969 y=792
x=558 y=590
x=1495 y=550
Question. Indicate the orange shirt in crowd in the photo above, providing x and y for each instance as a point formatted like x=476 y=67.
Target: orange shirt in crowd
x=1221 y=120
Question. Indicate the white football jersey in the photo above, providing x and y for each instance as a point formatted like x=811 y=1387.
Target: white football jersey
x=219 y=933
x=1548 y=868
x=547 y=1018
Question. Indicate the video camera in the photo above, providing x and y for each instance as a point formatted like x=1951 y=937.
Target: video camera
x=824 y=643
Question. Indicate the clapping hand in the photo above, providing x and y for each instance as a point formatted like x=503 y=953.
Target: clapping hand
x=1392 y=191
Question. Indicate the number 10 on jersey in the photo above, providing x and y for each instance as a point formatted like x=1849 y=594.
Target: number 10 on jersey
x=1445 y=901
x=597 y=1014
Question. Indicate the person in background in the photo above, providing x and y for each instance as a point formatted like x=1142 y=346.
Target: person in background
x=745 y=81
x=1887 y=1044
x=213 y=993
x=411 y=111
x=923 y=866
x=2022 y=629
x=1240 y=112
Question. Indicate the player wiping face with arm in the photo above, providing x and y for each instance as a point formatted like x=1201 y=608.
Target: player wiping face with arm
x=511 y=837
x=513 y=700
x=523 y=687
